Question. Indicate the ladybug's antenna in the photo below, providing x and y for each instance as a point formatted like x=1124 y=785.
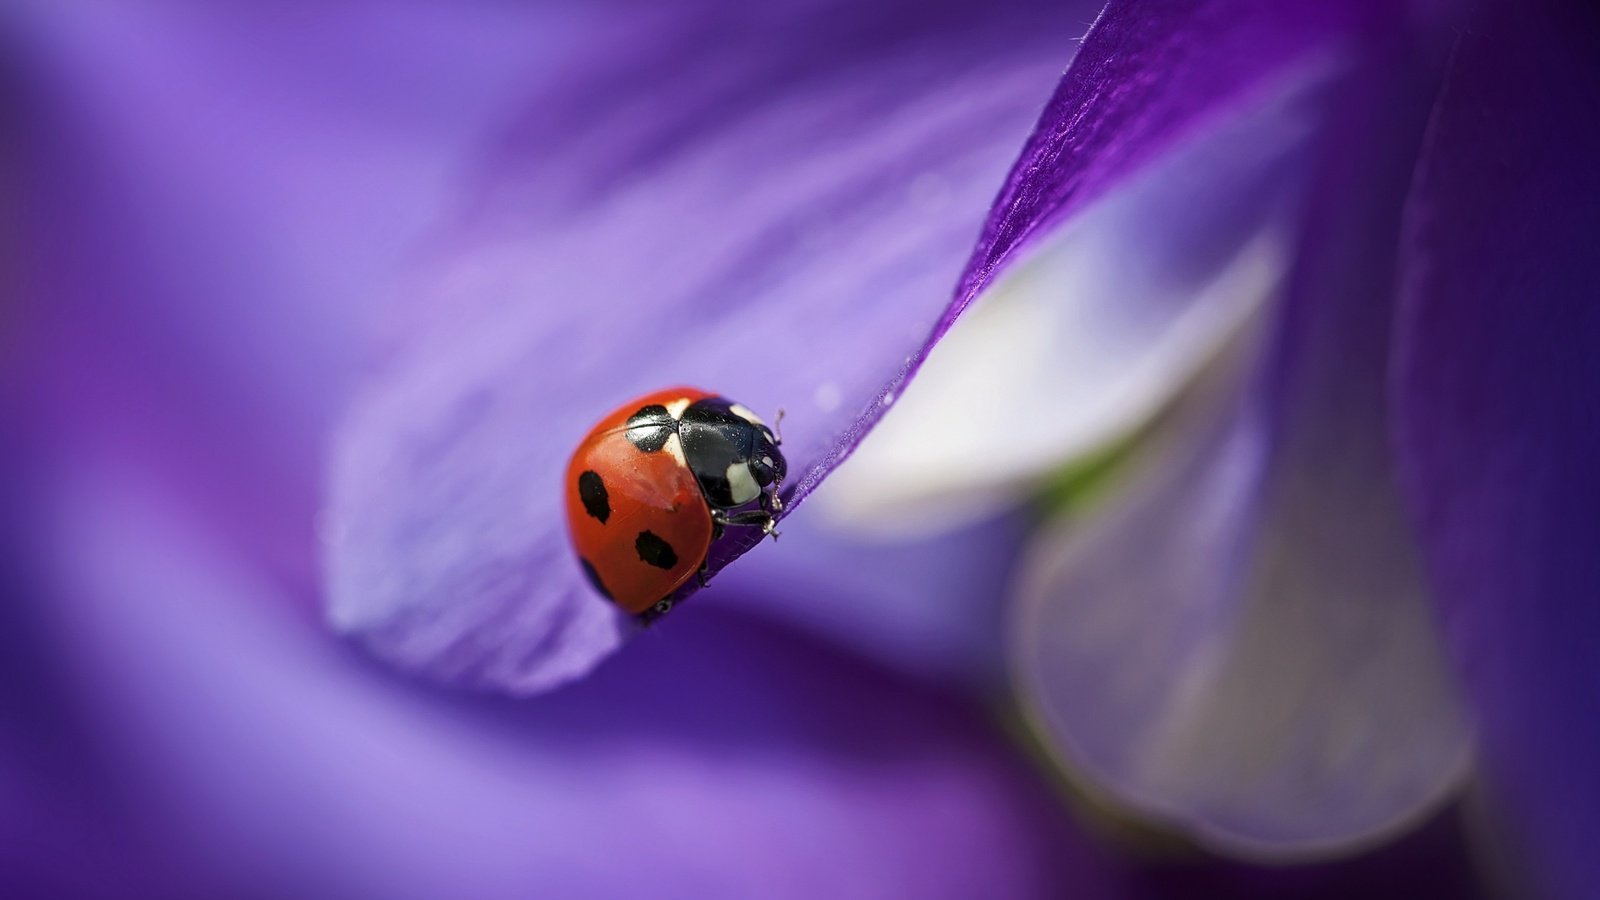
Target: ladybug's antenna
x=777 y=428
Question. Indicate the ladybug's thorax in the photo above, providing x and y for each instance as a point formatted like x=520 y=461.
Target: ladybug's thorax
x=733 y=455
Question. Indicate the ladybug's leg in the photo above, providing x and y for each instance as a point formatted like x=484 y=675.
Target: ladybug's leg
x=753 y=519
x=777 y=429
x=770 y=501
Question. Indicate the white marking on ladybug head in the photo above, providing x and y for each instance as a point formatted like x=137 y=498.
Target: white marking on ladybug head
x=741 y=484
x=674 y=448
x=675 y=408
x=743 y=412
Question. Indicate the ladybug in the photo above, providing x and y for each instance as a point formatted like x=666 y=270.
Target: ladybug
x=655 y=483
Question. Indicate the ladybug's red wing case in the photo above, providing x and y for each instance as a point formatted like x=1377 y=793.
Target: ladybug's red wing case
x=636 y=516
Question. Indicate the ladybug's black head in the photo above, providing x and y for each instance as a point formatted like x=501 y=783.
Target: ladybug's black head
x=768 y=465
x=733 y=454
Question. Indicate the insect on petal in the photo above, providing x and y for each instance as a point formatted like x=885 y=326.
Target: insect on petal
x=773 y=209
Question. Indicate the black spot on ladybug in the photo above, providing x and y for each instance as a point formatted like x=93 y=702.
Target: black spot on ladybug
x=654 y=551
x=650 y=427
x=592 y=490
x=594 y=579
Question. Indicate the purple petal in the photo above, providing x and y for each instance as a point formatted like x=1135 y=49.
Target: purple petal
x=1096 y=326
x=907 y=551
x=736 y=260
x=1147 y=72
x=1497 y=388
x=771 y=208
x=254 y=754
x=1240 y=644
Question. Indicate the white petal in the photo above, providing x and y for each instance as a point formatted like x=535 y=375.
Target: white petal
x=1259 y=672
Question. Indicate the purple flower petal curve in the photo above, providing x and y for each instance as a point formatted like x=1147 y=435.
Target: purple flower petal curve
x=1240 y=645
x=1496 y=392
x=776 y=218
x=1095 y=327
x=1148 y=71
x=907 y=550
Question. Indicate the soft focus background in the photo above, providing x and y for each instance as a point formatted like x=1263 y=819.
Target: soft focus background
x=1134 y=591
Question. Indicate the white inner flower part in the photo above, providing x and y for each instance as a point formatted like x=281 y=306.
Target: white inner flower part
x=1250 y=660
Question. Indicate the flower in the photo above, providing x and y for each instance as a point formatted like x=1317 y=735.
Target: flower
x=468 y=576
x=761 y=201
